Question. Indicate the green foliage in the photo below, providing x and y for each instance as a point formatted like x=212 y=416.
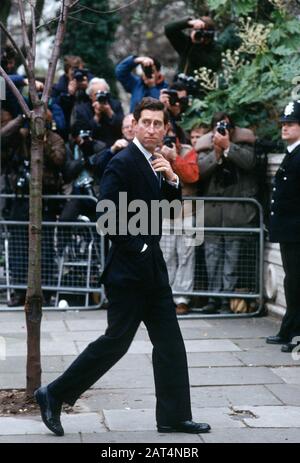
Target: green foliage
x=256 y=89
x=89 y=35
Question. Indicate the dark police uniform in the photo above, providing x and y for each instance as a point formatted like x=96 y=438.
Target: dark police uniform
x=285 y=227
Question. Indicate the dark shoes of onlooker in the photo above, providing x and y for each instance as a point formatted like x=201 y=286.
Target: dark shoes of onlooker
x=17 y=299
x=210 y=308
x=276 y=340
x=189 y=427
x=225 y=308
x=290 y=346
x=50 y=410
x=182 y=309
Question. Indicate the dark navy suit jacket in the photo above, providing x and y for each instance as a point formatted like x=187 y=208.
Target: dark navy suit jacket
x=130 y=172
x=284 y=226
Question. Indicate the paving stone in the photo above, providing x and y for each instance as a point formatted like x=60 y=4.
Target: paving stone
x=87 y=325
x=290 y=375
x=144 y=419
x=232 y=375
x=221 y=396
x=134 y=378
x=252 y=436
x=141 y=437
x=96 y=400
x=213 y=359
x=274 y=417
x=41 y=439
x=266 y=358
x=289 y=394
x=18 y=364
x=83 y=422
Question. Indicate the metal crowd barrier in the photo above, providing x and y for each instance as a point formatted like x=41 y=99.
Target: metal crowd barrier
x=72 y=257
x=246 y=249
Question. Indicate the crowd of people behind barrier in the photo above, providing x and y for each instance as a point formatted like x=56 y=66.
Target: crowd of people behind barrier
x=86 y=127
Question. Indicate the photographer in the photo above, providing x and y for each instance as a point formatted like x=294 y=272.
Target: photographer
x=175 y=99
x=71 y=87
x=102 y=113
x=18 y=181
x=149 y=84
x=226 y=164
x=198 y=49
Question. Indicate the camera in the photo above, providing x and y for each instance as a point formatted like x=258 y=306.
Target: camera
x=169 y=140
x=85 y=134
x=191 y=83
x=23 y=179
x=204 y=33
x=102 y=97
x=148 y=71
x=173 y=97
x=80 y=74
x=222 y=126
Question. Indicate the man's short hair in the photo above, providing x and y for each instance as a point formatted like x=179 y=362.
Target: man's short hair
x=152 y=104
x=209 y=22
x=220 y=116
x=72 y=62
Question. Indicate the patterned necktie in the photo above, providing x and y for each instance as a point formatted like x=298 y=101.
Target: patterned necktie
x=158 y=174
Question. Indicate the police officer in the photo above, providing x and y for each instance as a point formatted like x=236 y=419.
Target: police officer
x=285 y=226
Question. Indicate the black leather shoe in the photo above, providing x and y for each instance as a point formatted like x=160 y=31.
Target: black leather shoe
x=189 y=427
x=276 y=340
x=50 y=410
x=210 y=308
x=289 y=347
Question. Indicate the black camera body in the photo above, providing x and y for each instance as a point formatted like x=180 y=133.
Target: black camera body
x=148 y=71
x=191 y=83
x=102 y=97
x=222 y=126
x=204 y=33
x=84 y=134
x=80 y=74
x=23 y=179
x=169 y=140
x=173 y=97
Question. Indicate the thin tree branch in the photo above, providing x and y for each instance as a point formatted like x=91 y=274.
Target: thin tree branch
x=33 y=26
x=16 y=93
x=93 y=10
x=16 y=47
x=29 y=54
x=61 y=29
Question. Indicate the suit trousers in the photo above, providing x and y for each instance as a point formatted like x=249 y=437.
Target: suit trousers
x=127 y=308
x=290 y=326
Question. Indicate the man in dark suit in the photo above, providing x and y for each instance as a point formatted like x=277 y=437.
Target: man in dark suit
x=137 y=287
x=285 y=226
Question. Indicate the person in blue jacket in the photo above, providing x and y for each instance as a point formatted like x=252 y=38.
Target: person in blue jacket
x=149 y=84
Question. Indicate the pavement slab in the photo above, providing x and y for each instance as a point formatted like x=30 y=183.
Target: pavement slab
x=291 y=375
x=232 y=375
x=273 y=417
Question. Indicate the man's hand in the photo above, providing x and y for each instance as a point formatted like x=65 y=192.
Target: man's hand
x=72 y=87
x=160 y=164
x=100 y=109
x=144 y=61
x=196 y=24
x=38 y=85
x=221 y=142
x=119 y=145
x=169 y=153
x=164 y=98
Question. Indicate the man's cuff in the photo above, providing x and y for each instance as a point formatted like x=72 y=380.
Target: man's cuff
x=174 y=183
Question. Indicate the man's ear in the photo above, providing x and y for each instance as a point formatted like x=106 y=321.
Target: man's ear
x=167 y=127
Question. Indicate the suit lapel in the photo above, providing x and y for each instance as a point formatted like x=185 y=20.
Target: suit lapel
x=145 y=168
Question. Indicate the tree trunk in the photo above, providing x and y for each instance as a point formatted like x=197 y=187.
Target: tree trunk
x=34 y=297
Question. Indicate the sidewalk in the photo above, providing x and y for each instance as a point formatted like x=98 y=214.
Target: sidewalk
x=247 y=390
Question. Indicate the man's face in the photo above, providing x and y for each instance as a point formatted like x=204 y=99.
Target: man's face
x=290 y=132
x=98 y=87
x=151 y=81
x=196 y=134
x=128 y=127
x=150 y=129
